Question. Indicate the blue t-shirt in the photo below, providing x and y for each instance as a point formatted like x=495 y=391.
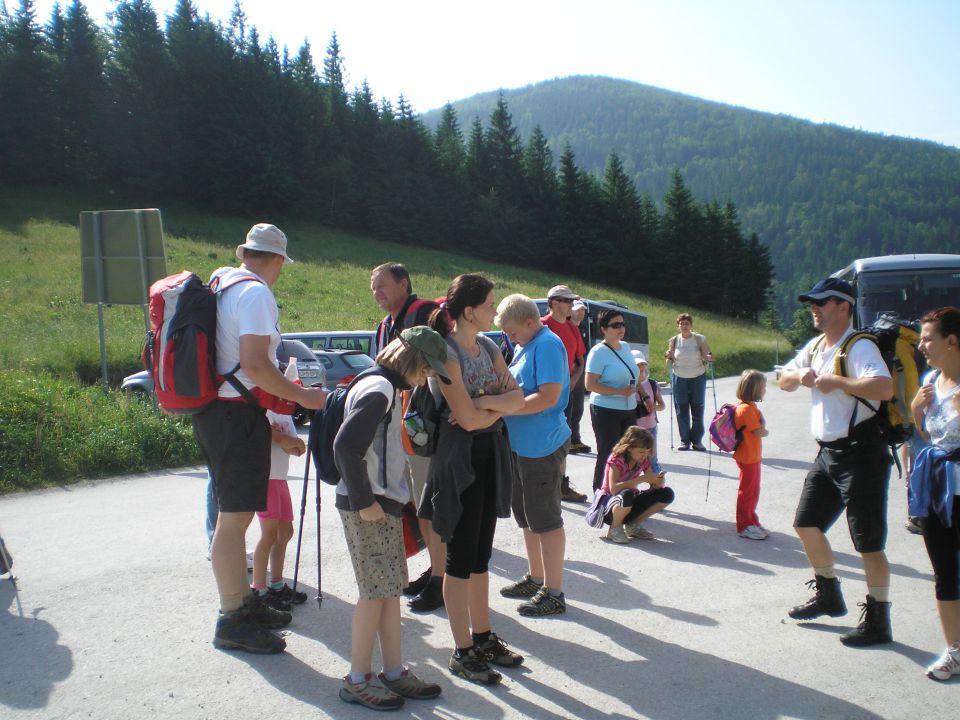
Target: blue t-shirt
x=613 y=373
x=543 y=360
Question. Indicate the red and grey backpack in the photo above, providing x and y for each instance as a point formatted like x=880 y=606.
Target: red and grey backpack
x=181 y=347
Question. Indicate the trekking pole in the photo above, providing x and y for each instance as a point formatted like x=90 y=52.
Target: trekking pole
x=713 y=382
x=303 y=512
x=709 y=468
x=319 y=597
x=673 y=399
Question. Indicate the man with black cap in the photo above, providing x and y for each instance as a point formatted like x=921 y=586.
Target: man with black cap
x=852 y=468
x=560 y=301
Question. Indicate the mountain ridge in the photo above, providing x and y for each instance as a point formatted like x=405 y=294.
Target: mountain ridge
x=818 y=194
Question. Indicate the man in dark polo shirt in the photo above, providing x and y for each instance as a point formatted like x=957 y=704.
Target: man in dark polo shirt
x=393 y=292
x=560 y=299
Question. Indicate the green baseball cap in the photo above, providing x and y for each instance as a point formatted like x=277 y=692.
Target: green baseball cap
x=432 y=345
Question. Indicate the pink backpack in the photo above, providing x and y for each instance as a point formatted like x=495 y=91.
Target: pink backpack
x=723 y=429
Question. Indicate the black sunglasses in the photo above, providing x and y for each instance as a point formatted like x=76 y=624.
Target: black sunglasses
x=616 y=325
x=821 y=303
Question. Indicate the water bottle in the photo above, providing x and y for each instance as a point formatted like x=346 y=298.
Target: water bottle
x=417 y=433
x=291 y=373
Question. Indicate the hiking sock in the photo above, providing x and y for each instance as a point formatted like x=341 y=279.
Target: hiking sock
x=260 y=589
x=229 y=603
x=481 y=638
x=393 y=674
x=880 y=594
x=825 y=572
x=357 y=678
x=554 y=593
x=276 y=584
x=536 y=580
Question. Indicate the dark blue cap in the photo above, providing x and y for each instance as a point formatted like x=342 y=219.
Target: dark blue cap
x=830 y=288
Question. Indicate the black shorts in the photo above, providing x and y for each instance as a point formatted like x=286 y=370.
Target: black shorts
x=235 y=440
x=854 y=478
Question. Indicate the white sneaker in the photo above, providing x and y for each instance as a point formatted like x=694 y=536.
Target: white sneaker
x=753 y=532
x=636 y=530
x=946 y=665
x=762 y=529
x=617 y=535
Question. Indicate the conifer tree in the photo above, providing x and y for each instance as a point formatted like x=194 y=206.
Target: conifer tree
x=28 y=117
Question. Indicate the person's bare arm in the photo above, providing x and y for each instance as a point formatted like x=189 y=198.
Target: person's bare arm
x=544 y=398
x=256 y=363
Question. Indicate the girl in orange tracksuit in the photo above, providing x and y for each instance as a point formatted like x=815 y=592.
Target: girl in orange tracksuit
x=749 y=420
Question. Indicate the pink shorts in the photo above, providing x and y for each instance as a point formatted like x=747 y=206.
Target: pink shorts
x=279 y=505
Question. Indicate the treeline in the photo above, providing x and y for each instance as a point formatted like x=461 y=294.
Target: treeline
x=819 y=195
x=213 y=115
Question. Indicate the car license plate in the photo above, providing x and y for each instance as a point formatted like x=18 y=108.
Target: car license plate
x=308 y=373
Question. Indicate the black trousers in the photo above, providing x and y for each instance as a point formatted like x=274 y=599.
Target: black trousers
x=608 y=427
x=943 y=547
x=574 y=411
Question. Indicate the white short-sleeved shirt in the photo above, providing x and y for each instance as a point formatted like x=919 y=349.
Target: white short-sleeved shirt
x=280 y=458
x=831 y=412
x=247 y=308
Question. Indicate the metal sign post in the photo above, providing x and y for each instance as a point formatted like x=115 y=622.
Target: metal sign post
x=121 y=255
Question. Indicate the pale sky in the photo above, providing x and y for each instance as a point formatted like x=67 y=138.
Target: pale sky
x=888 y=66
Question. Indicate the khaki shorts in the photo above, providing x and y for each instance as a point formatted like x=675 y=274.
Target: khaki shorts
x=536 y=491
x=377 y=553
x=418 y=467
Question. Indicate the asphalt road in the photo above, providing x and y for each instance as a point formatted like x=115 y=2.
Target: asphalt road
x=117 y=604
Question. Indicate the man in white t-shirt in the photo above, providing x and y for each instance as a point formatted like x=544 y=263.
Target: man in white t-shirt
x=852 y=469
x=234 y=434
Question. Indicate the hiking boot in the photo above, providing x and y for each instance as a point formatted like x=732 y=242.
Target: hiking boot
x=543 y=603
x=473 y=666
x=617 y=535
x=369 y=694
x=828 y=600
x=636 y=530
x=522 y=588
x=753 y=532
x=683 y=447
x=237 y=630
x=264 y=615
x=410 y=686
x=294 y=597
x=568 y=494
x=274 y=598
x=946 y=665
x=699 y=447
x=430 y=599
x=874 y=627
x=416 y=587
x=579 y=447
x=496 y=651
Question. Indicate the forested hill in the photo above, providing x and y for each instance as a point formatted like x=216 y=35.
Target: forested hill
x=818 y=195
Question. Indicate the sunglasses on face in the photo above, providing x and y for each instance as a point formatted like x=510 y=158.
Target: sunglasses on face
x=617 y=325
x=563 y=300
x=820 y=303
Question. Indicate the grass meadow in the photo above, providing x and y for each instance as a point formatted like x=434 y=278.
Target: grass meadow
x=57 y=425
